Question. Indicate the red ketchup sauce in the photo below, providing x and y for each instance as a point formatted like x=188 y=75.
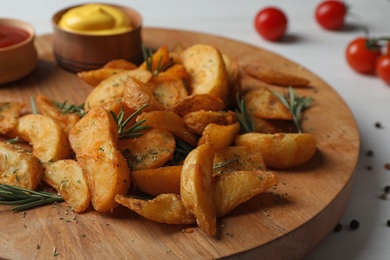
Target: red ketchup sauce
x=11 y=35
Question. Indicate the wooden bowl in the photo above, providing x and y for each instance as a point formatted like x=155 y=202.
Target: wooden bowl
x=79 y=52
x=20 y=59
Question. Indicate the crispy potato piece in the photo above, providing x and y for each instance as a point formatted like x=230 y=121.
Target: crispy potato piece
x=48 y=108
x=275 y=77
x=198 y=120
x=94 y=140
x=158 y=181
x=281 y=150
x=120 y=64
x=245 y=159
x=272 y=126
x=207 y=70
x=220 y=136
x=151 y=150
x=47 y=138
x=19 y=167
x=137 y=94
x=168 y=90
x=165 y=208
x=263 y=103
x=94 y=77
x=198 y=102
x=66 y=176
x=177 y=71
x=9 y=114
x=196 y=187
x=160 y=59
x=234 y=188
x=171 y=122
x=112 y=88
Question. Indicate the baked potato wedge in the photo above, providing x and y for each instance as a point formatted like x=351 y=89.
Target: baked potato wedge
x=48 y=140
x=19 y=167
x=168 y=90
x=220 y=136
x=171 y=122
x=158 y=181
x=48 y=108
x=196 y=187
x=151 y=150
x=159 y=61
x=165 y=208
x=239 y=158
x=262 y=103
x=281 y=150
x=234 y=188
x=198 y=102
x=120 y=64
x=94 y=140
x=112 y=88
x=66 y=176
x=197 y=121
x=207 y=70
x=9 y=115
x=94 y=77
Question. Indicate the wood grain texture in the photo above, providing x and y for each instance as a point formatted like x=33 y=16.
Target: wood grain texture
x=284 y=223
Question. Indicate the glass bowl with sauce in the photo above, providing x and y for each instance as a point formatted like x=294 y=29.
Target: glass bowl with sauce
x=18 y=56
x=88 y=36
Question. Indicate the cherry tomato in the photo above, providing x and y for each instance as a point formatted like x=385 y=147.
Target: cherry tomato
x=361 y=58
x=271 y=23
x=382 y=68
x=330 y=14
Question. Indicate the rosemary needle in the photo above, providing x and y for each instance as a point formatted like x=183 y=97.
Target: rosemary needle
x=134 y=130
x=25 y=198
x=244 y=118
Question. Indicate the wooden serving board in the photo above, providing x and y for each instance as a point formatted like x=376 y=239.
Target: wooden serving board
x=284 y=223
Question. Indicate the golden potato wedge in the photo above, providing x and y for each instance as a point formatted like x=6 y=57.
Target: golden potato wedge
x=234 y=188
x=112 y=88
x=233 y=70
x=282 y=150
x=263 y=103
x=207 y=70
x=151 y=150
x=168 y=90
x=272 y=126
x=47 y=138
x=138 y=94
x=240 y=158
x=196 y=187
x=48 y=108
x=121 y=64
x=66 y=176
x=198 y=102
x=165 y=208
x=198 y=120
x=171 y=122
x=94 y=77
x=177 y=71
x=94 y=140
x=9 y=114
x=19 y=167
x=158 y=181
x=274 y=77
x=220 y=136
x=159 y=61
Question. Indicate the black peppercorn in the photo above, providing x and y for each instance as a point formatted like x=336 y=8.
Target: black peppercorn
x=354 y=224
x=338 y=227
x=388 y=223
x=387 y=189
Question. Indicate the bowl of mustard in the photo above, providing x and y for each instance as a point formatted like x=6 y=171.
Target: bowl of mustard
x=88 y=36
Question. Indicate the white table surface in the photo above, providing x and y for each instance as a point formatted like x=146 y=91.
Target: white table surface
x=314 y=48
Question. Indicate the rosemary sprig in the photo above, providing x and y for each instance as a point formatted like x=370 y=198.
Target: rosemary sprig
x=148 y=58
x=70 y=109
x=244 y=118
x=182 y=150
x=295 y=104
x=222 y=164
x=25 y=198
x=134 y=130
x=33 y=106
x=13 y=140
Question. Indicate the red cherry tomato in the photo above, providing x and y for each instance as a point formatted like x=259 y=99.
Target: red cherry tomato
x=382 y=68
x=271 y=23
x=361 y=58
x=330 y=14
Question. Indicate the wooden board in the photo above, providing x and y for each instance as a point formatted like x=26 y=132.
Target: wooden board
x=285 y=223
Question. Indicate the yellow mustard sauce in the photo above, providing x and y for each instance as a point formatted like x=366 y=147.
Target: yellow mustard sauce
x=95 y=19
